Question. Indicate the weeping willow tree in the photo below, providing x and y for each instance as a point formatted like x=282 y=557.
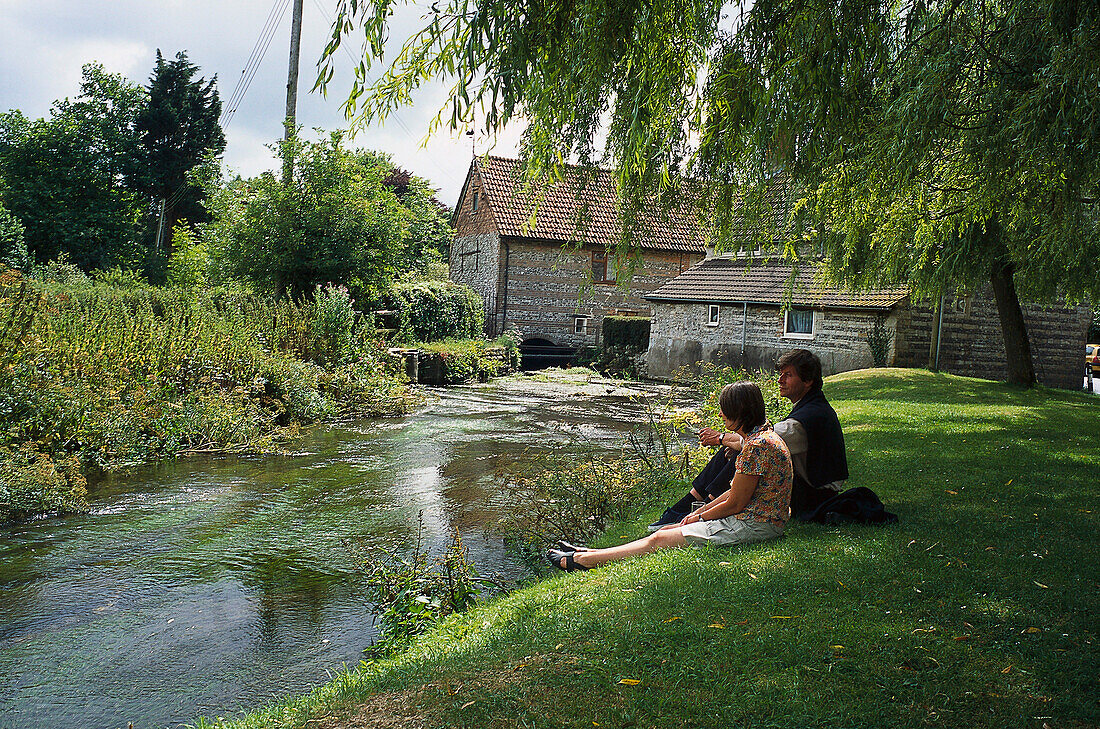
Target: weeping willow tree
x=931 y=143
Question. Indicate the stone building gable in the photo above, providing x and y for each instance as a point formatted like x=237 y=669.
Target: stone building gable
x=582 y=208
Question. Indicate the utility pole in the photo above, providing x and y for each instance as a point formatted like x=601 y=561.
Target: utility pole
x=291 y=121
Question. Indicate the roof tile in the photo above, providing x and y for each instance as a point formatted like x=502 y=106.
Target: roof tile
x=737 y=280
x=524 y=213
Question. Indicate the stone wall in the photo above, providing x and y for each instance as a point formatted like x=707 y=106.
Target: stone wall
x=972 y=344
x=475 y=251
x=476 y=261
x=681 y=337
x=547 y=287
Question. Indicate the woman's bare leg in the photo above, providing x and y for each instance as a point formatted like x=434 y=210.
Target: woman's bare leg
x=669 y=537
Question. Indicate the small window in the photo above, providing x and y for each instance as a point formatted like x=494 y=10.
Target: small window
x=799 y=324
x=603 y=267
x=476 y=202
x=712 y=316
x=580 y=325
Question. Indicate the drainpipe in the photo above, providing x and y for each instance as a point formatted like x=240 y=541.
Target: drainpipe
x=744 y=326
x=937 y=334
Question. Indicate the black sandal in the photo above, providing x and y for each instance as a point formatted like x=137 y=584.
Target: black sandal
x=555 y=556
x=567 y=547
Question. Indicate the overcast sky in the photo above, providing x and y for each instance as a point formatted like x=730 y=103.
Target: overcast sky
x=44 y=43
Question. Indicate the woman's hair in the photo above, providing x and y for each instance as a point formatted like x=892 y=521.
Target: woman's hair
x=743 y=404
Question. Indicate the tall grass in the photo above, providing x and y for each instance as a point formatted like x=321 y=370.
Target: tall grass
x=115 y=376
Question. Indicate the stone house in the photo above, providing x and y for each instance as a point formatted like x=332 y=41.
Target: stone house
x=547 y=274
x=735 y=310
x=542 y=263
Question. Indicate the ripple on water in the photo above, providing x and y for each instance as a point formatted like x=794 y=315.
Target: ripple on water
x=209 y=586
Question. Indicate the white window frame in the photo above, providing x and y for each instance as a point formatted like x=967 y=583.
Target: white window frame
x=714 y=315
x=580 y=324
x=788 y=334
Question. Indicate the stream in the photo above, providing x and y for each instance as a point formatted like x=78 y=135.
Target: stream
x=212 y=586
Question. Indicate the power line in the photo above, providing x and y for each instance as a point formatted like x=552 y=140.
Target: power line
x=278 y=10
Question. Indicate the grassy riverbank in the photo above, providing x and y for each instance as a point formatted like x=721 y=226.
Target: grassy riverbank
x=98 y=376
x=977 y=610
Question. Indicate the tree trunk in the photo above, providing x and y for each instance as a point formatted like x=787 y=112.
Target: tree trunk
x=1021 y=371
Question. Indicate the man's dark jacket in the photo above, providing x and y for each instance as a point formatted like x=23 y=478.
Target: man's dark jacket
x=826 y=460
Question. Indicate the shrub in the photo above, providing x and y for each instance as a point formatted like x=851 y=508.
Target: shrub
x=412 y=593
x=878 y=340
x=467 y=359
x=13 y=247
x=333 y=325
x=429 y=311
x=32 y=483
x=116 y=376
x=60 y=271
x=187 y=268
x=120 y=278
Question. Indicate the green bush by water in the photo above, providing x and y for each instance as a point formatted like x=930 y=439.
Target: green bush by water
x=429 y=311
x=114 y=376
x=474 y=359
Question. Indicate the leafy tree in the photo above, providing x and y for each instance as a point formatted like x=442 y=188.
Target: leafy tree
x=71 y=179
x=935 y=143
x=427 y=240
x=13 y=249
x=178 y=127
x=334 y=222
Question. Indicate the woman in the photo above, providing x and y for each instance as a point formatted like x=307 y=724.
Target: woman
x=755 y=507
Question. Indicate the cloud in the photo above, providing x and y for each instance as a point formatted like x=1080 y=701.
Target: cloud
x=44 y=43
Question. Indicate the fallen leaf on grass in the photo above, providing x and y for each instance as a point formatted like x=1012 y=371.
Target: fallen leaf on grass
x=837 y=647
x=1007 y=669
x=629 y=681
x=953 y=493
x=1008 y=482
x=961 y=637
x=752 y=575
x=672 y=619
x=724 y=564
x=467 y=704
x=1040 y=584
x=559 y=646
x=1033 y=630
x=784 y=617
x=716 y=625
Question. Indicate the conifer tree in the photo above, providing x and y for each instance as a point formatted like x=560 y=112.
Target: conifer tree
x=178 y=126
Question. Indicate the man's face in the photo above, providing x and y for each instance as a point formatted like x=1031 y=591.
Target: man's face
x=791 y=386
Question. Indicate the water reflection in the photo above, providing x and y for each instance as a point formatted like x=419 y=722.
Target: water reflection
x=213 y=586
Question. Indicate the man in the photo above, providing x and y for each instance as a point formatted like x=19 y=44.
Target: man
x=812 y=433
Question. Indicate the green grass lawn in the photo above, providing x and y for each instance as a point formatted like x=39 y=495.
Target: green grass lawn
x=979 y=609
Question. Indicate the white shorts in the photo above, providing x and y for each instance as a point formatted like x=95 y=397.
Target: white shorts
x=730 y=531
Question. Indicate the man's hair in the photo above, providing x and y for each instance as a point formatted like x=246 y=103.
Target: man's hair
x=743 y=404
x=805 y=363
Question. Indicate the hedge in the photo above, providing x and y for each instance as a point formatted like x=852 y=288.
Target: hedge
x=630 y=333
x=428 y=311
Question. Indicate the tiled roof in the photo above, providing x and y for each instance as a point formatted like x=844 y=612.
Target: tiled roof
x=556 y=214
x=737 y=280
